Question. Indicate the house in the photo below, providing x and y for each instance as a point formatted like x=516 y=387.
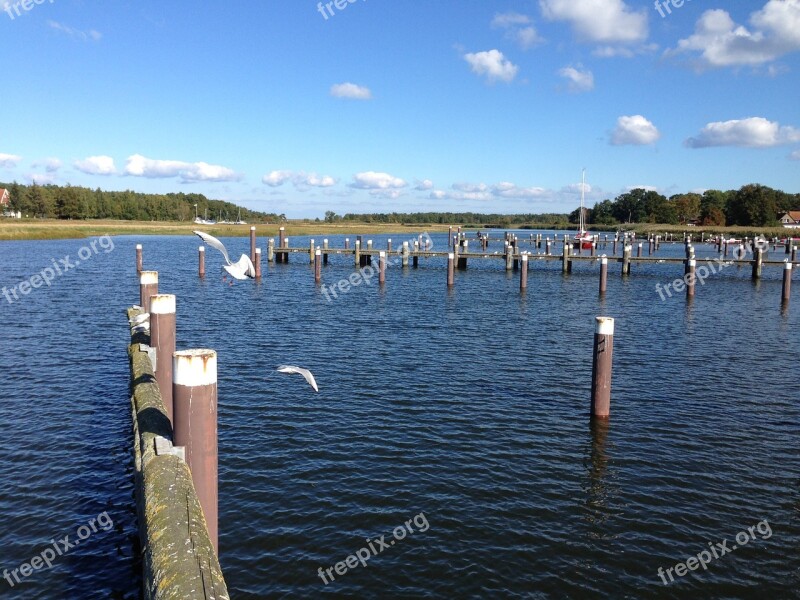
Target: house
x=5 y=205
x=791 y=219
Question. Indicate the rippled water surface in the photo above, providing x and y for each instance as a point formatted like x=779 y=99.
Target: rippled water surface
x=466 y=409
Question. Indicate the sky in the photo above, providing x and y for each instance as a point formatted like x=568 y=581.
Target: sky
x=362 y=106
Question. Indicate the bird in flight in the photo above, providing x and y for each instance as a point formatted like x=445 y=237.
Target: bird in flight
x=241 y=269
x=304 y=372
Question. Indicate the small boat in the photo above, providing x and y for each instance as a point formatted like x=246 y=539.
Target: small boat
x=239 y=219
x=584 y=239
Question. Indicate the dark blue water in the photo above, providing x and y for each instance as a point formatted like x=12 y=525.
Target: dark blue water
x=466 y=409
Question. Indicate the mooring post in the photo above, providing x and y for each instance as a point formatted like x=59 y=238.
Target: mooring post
x=602 y=367
x=725 y=249
x=139 y=260
x=691 y=264
x=626 y=259
x=523 y=272
x=794 y=253
x=325 y=254
x=451 y=267
x=311 y=252
x=281 y=244
x=614 y=247
x=758 y=260
x=368 y=257
x=201 y=258
x=253 y=244
x=148 y=286
x=194 y=395
x=162 y=338
x=271 y=250
x=286 y=252
x=547 y=247
x=347 y=243
x=357 y=254
x=787 y=282
x=257 y=263
x=788 y=244
x=382 y=267
x=564 y=259
x=462 y=260
x=639 y=250
x=405 y=254
x=415 y=260
x=594 y=248
x=389 y=245
x=603 y=274
x=318 y=265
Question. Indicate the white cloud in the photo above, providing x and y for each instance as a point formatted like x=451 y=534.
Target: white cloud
x=753 y=132
x=775 y=31
x=86 y=36
x=140 y=166
x=96 y=165
x=9 y=161
x=481 y=192
x=301 y=180
x=604 y=21
x=510 y=190
x=646 y=188
x=51 y=165
x=41 y=178
x=493 y=65
x=580 y=79
x=387 y=194
x=634 y=130
x=470 y=187
x=370 y=180
x=276 y=178
x=575 y=188
x=314 y=180
x=351 y=91
x=518 y=28
x=424 y=185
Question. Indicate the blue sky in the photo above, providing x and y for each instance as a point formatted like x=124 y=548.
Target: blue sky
x=382 y=105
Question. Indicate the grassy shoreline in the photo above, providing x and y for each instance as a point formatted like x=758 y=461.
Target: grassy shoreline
x=52 y=229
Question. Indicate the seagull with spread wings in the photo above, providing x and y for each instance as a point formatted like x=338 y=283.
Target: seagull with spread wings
x=304 y=372
x=241 y=269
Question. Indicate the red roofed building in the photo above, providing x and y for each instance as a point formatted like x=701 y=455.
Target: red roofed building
x=791 y=219
x=5 y=198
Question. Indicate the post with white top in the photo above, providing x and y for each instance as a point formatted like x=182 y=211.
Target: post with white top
x=691 y=265
x=162 y=338
x=139 y=258
x=311 y=252
x=405 y=254
x=148 y=286
x=325 y=255
x=257 y=263
x=201 y=258
x=286 y=254
x=194 y=395
x=415 y=258
x=787 y=282
x=523 y=273
x=253 y=243
x=389 y=245
x=281 y=238
x=602 y=367
x=603 y=274
x=271 y=250
x=318 y=265
x=357 y=254
x=451 y=267
x=382 y=267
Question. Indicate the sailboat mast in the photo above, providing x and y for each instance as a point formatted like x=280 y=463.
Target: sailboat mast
x=583 y=190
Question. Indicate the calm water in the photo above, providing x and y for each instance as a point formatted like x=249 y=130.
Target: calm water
x=464 y=408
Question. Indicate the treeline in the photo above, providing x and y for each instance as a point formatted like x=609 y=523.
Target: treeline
x=68 y=202
x=752 y=205
x=444 y=218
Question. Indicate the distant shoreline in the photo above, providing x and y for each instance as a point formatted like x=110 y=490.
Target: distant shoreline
x=52 y=229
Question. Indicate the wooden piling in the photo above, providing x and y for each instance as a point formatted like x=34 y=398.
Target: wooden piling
x=347 y=243
x=788 y=244
x=415 y=259
x=547 y=247
x=787 y=282
x=691 y=265
x=271 y=250
x=357 y=254
x=462 y=260
x=201 y=259
x=253 y=244
x=148 y=286
x=758 y=260
x=139 y=260
x=368 y=257
x=451 y=262
x=639 y=250
x=318 y=265
x=389 y=245
x=281 y=244
x=509 y=257
x=603 y=274
x=626 y=259
x=257 y=263
x=195 y=426
x=523 y=273
x=602 y=367
x=286 y=254
x=565 y=259
x=311 y=252
x=162 y=338
x=382 y=267
x=325 y=255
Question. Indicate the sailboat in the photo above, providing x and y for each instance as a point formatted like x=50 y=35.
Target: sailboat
x=584 y=239
x=239 y=219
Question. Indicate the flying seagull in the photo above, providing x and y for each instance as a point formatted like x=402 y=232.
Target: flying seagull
x=242 y=269
x=304 y=372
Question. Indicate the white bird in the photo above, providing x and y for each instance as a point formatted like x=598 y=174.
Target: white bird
x=139 y=319
x=304 y=372
x=241 y=269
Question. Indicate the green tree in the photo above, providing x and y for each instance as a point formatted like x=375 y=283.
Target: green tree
x=753 y=205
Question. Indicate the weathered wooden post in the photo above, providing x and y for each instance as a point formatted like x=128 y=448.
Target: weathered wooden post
x=194 y=395
x=325 y=255
x=602 y=367
x=523 y=273
x=462 y=260
x=639 y=250
x=162 y=338
x=357 y=254
x=139 y=260
x=787 y=282
x=148 y=286
x=415 y=260
x=318 y=265
x=405 y=254
x=725 y=249
x=603 y=274
x=451 y=267
x=450 y=233
x=626 y=259
x=257 y=263
x=565 y=259
x=201 y=258
x=253 y=244
x=691 y=264
x=347 y=243
x=614 y=247
x=547 y=247
x=794 y=253
x=311 y=252
x=281 y=244
x=271 y=250
x=382 y=267
x=509 y=257
x=368 y=257
x=758 y=260
x=286 y=253
x=389 y=245
x=788 y=244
